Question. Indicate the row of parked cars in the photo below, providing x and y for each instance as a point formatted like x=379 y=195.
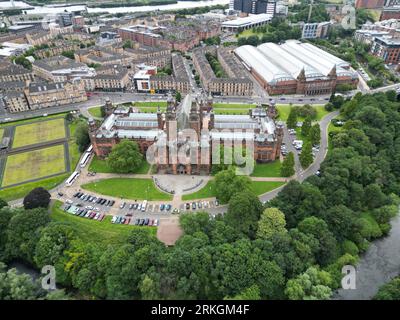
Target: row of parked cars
x=146 y=222
x=84 y=213
x=199 y=205
x=137 y=222
x=97 y=200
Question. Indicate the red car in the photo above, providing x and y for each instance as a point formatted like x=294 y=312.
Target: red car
x=127 y=220
x=101 y=217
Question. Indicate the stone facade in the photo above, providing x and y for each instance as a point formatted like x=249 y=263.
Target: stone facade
x=196 y=114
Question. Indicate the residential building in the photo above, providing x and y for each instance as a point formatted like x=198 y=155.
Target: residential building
x=15 y=101
x=387 y=49
x=61 y=69
x=317 y=30
x=14 y=72
x=255 y=6
x=236 y=83
x=44 y=95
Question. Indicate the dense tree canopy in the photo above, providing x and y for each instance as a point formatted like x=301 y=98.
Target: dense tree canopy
x=37 y=198
x=125 y=157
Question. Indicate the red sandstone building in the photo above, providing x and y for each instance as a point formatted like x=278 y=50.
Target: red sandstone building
x=155 y=130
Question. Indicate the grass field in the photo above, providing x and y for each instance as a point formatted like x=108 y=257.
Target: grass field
x=151 y=109
x=271 y=169
x=95 y=112
x=12 y=123
x=231 y=111
x=248 y=33
x=150 y=104
x=100 y=166
x=233 y=105
x=21 y=191
x=128 y=188
x=41 y=131
x=284 y=110
x=1 y=133
x=209 y=191
x=34 y=165
x=88 y=230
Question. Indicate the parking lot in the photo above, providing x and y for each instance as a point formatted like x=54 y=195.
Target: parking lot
x=138 y=212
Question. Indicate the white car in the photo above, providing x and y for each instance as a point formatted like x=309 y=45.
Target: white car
x=155 y=223
x=114 y=219
x=97 y=216
x=69 y=201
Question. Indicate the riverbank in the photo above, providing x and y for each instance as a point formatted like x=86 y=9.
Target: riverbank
x=377 y=266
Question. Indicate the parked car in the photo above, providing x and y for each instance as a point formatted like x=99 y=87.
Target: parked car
x=187 y=206
x=112 y=203
x=137 y=221
x=168 y=207
x=69 y=201
x=114 y=219
x=146 y=221
x=216 y=203
x=194 y=205
x=150 y=222
x=122 y=205
x=155 y=222
x=162 y=206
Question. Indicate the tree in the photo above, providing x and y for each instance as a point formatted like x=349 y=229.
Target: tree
x=311 y=285
x=54 y=239
x=37 y=198
x=271 y=223
x=227 y=183
x=194 y=222
x=178 y=96
x=306 y=127
x=327 y=248
x=68 y=54
x=3 y=203
x=244 y=211
x=389 y=291
x=287 y=168
x=315 y=134
x=250 y=293
x=291 y=121
x=23 y=232
x=14 y=286
x=306 y=157
x=125 y=157
x=82 y=136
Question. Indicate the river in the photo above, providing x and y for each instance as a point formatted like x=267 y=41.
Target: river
x=174 y=6
x=378 y=265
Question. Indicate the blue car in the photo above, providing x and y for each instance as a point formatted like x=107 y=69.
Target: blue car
x=162 y=207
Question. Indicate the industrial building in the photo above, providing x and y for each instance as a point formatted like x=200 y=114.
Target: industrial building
x=296 y=68
x=249 y=22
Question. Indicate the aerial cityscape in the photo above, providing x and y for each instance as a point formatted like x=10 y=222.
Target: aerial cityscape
x=229 y=150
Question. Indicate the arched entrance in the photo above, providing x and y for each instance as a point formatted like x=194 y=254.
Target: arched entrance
x=181 y=169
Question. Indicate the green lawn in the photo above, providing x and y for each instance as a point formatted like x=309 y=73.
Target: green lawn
x=98 y=165
x=208 y=191
x=248 y=33
x=12 y=123
x=150 y=104
x=21 y=191
x=103 y=232
x=233 y=106
x=151 y=109
x=232 y=111
x=33 y=165
x=284 y=110
x=1 y=133
x=261 y=187
x=128 y=188
x=41 y=131
x=95 y=112
x=270 y=169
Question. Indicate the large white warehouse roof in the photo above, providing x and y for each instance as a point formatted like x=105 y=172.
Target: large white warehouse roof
x=287 y=61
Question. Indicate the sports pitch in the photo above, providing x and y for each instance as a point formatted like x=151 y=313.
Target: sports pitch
x=27 y=166
x=39 y=132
